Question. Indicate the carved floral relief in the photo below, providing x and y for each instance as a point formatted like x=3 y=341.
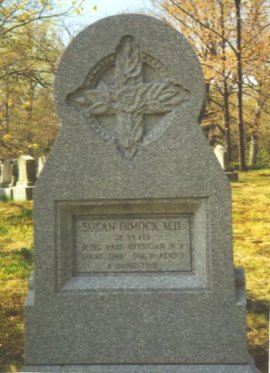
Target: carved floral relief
x=129 y=100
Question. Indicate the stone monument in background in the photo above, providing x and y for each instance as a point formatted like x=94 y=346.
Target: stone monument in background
x=40 y=164
x=5 y=178
x=23 y=190
x=222 y=157
x=134 y=266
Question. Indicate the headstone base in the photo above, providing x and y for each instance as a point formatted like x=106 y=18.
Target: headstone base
x=228 y=368
x=23 y=193
x=6 y=193
x=232 y=176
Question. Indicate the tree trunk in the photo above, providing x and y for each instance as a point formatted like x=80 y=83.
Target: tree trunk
x=226 y=109
x=253 y=149
x=227 y=123
x=241 y=133
x=255 y=136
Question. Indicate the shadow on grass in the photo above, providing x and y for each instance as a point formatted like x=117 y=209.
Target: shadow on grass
x=15 y=268
x=258 y=306
x=11 y=333
x=258 y=315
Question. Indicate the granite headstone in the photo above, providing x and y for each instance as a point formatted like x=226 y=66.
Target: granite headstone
x=221 y=154
x=5 y=179
x=222 y=157
x=134 y=266
x=5 y=174
x=41 y=163
x=23 y=190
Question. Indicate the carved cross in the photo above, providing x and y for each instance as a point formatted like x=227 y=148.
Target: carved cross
x=129 y=99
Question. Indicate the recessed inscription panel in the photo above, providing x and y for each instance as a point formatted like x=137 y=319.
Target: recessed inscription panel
x=132 y=244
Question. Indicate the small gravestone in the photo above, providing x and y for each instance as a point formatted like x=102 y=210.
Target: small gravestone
x=221 y=154
x=14 y=170
x=134 y=267
x=41 y=163
x=5 y=174
x=5 y=178
x=222 y=157
x=23 y=190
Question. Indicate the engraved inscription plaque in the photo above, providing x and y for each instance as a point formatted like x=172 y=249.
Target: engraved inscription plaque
x=132 y=244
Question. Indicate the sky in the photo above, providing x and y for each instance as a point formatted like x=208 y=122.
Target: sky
x=105 y=8
x=110 y=7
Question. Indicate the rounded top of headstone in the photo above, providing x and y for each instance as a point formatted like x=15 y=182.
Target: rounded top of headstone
x=128 y=78
x=91 y=57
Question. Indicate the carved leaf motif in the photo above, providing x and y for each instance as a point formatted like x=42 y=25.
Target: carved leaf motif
x=138 y=132
x=128 y=65
x=137 y=127
x=128 y=100
x=161 y=97
x=130 y=133
x=96 y=101
x=149 y=98
x=127 y=149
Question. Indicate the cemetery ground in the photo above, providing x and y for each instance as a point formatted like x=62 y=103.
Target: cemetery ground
x=251 y=232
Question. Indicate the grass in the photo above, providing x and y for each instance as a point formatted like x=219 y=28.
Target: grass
x=251 y=232
x=16 y=264
x=251 y=227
